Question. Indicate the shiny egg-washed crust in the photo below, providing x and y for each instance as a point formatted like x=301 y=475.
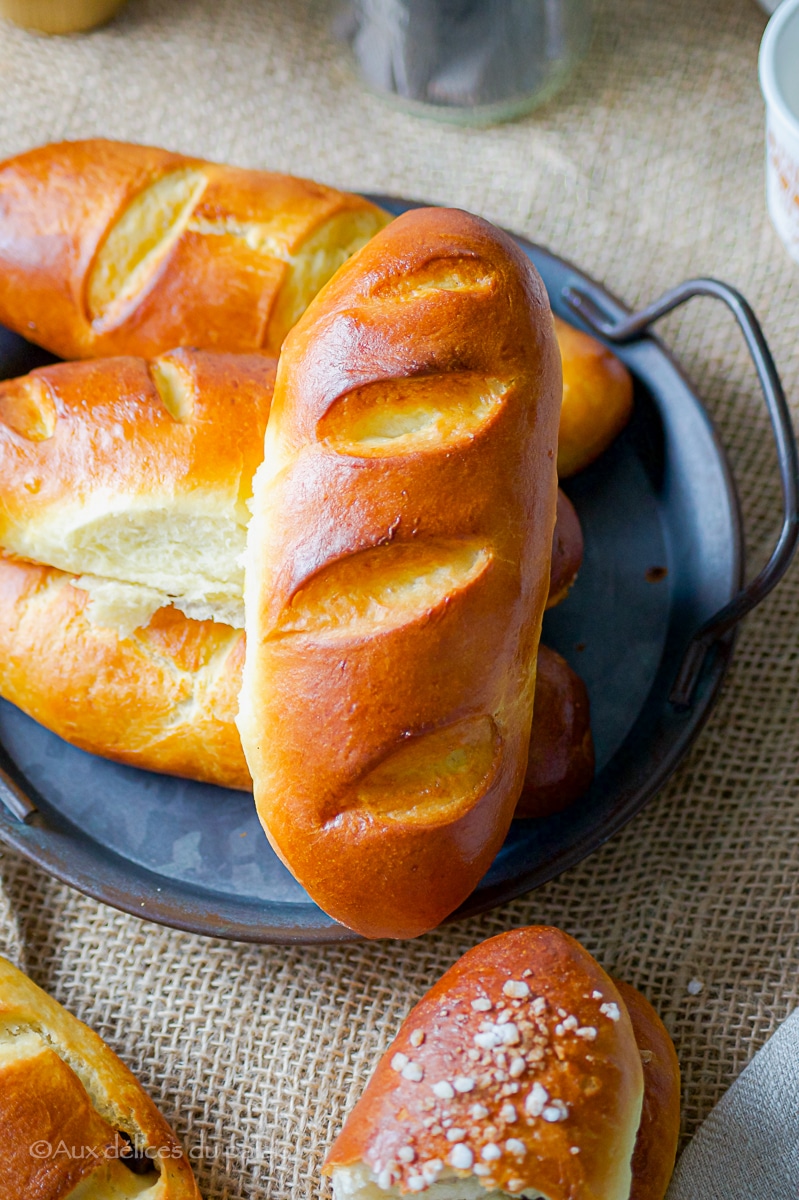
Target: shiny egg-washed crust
x=518 y=1071
x=61 y=1085
x=398 y=565
x=110 y=248
x=560 y=765
x=658 y=1134
x=81 y=436
x=165 y=698
x=99 y=460
x=597 y=398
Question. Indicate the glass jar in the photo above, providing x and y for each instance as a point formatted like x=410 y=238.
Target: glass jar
x=59 y=16
x=468 y=61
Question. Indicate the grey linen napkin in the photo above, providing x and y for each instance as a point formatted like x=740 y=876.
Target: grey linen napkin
x=748 y=1148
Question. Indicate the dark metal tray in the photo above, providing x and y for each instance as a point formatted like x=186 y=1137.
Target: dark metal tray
x=194 y=857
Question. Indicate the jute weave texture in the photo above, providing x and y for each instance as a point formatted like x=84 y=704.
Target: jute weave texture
x=647 y=170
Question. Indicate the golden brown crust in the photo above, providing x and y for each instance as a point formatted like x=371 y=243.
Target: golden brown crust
x=558 y=1092
x=567 y=551
x=560 y=766
x=216 y=282
x=90 y=450
x=101 y=429
x=398 y=566
x=80 y=435
x=597 y=398
x=659 y=1131
x=166 y=697
x=163 y=699
x=61 y=1085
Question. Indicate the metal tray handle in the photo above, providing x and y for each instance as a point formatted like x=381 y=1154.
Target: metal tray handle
x=14 y=799
x=633 y=326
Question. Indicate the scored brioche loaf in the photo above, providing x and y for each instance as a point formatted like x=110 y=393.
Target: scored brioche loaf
x=165 y=697
x=136 y=475
x=74 y=1122
x=518 y=1074
x=110 y=248
x=397 y=569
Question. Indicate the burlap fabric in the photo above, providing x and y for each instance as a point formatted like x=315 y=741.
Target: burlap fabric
x=647 y=170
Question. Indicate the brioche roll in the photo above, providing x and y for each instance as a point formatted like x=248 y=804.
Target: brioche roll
x=567 y=551
x=165 y=697
x=658 y=1134
x=162 y=699
x=597 y=399
x=108 y=248
x=560 y=765
x=74 y=1122
x=518 y=1074
x=136 y=477
x=397 y=569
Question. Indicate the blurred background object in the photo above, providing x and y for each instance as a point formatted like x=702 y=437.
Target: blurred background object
x=779 y=81
x=59 y=16
x=468 y=61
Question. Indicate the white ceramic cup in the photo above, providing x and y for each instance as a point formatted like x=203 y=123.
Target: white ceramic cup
x=779 y=81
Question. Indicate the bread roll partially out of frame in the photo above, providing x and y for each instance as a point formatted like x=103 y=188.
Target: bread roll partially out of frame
x=597 y=398
x=518 y=1074
x=110 y=248
x=74 y=1122
x=136 y=476
x=165 y=697
x=398 y=564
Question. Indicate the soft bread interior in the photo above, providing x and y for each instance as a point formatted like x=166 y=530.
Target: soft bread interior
x=115 y=1181
x=135 y=559
x=112 y=1179
x=358 y=1183
x=411 y=415
x=446 y=274
x=125 y=607
x=382 y=588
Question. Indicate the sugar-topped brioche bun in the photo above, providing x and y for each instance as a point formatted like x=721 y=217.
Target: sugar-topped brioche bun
x=518 y=1074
